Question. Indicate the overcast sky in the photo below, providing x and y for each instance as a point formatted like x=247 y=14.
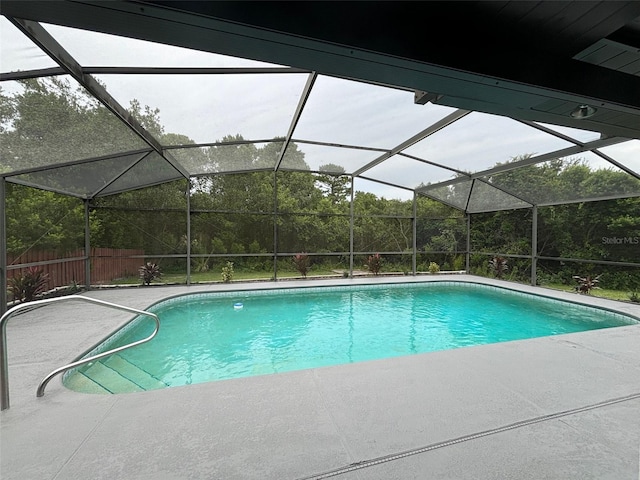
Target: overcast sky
x=206 y=108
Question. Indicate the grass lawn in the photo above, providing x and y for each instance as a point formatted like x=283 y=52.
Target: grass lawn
x=212 y=276
x=596 y=292
x=238 y=275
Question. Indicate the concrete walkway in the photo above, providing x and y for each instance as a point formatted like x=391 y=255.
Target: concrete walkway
x=563 y=407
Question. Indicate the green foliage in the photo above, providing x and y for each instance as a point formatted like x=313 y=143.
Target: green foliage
x=26 y=287
x=459 y=263
x=634 y=297
x=42 y=220
x=49 y=120
x=302 y=263
x=333 y=182
x=374 y=263
x=434 y=267
x=227 y=272
x=149 y=272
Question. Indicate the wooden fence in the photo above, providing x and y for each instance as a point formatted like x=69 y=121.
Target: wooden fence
x=107 y=264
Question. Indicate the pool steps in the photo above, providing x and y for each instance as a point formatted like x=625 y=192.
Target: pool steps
x=116 y=372
x=80 y=383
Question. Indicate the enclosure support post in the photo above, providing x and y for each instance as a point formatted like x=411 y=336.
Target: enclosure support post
x=534 y=245
x=87 y=246
x=468 y=254
x=351 y=210
x=3 y=248
x=188 y=231
x=415 y=230
x=275 y=225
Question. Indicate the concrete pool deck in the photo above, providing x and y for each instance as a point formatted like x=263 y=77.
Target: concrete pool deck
x=563 y=407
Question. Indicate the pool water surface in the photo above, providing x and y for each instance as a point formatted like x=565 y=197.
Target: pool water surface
x=217 y=336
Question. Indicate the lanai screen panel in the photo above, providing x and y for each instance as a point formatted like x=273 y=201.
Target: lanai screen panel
x=153 y=169
x=353 y=113
x=406 y=172
x=18 y=52
x=57 y=121
x=627 y=153
x=242 y=157
x=480 y=141
x=486 y=198
x=388 y=192
x=580 y=136
x=211 y=108
x=327 y=158
x=194 y=160
x=237 y=116
x=581 y=177
x=84 y=180
x=456 y=195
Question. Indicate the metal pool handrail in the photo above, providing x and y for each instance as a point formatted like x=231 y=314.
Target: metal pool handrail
x=4 y=367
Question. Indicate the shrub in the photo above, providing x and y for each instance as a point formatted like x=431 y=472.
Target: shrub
x=149 y=272
x=302 y=263
x=374 y=263
x=27 y=287
x=227 y=272
x=586 y=284
x=498 y=266
x=460 y=262
x=434 y=267
x=634 y=297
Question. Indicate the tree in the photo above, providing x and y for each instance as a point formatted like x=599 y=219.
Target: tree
x=334 y=183
x=49 y=121
x=41 y=220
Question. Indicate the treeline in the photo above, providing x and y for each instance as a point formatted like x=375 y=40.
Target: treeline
x=234 y=199
x=233 y=222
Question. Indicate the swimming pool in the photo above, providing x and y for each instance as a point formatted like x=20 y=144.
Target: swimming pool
x=216 y=336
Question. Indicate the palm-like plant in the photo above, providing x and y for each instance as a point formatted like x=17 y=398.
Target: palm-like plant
x=586 y=284
x=499 y=266
x=27 y=287
x=149 y=272
x=374 y=263
x=302 y=263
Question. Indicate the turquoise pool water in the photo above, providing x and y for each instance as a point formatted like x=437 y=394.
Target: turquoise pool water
x=207 y=337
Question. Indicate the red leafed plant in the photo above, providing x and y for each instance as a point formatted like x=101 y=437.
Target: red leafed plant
x=374 y=263
x=149 y=272
x=586 y=284
x=27 y=287
x=499 y=266
x=302 y=263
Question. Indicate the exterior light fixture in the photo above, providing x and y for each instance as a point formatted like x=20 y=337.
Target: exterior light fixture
x=582 y=112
